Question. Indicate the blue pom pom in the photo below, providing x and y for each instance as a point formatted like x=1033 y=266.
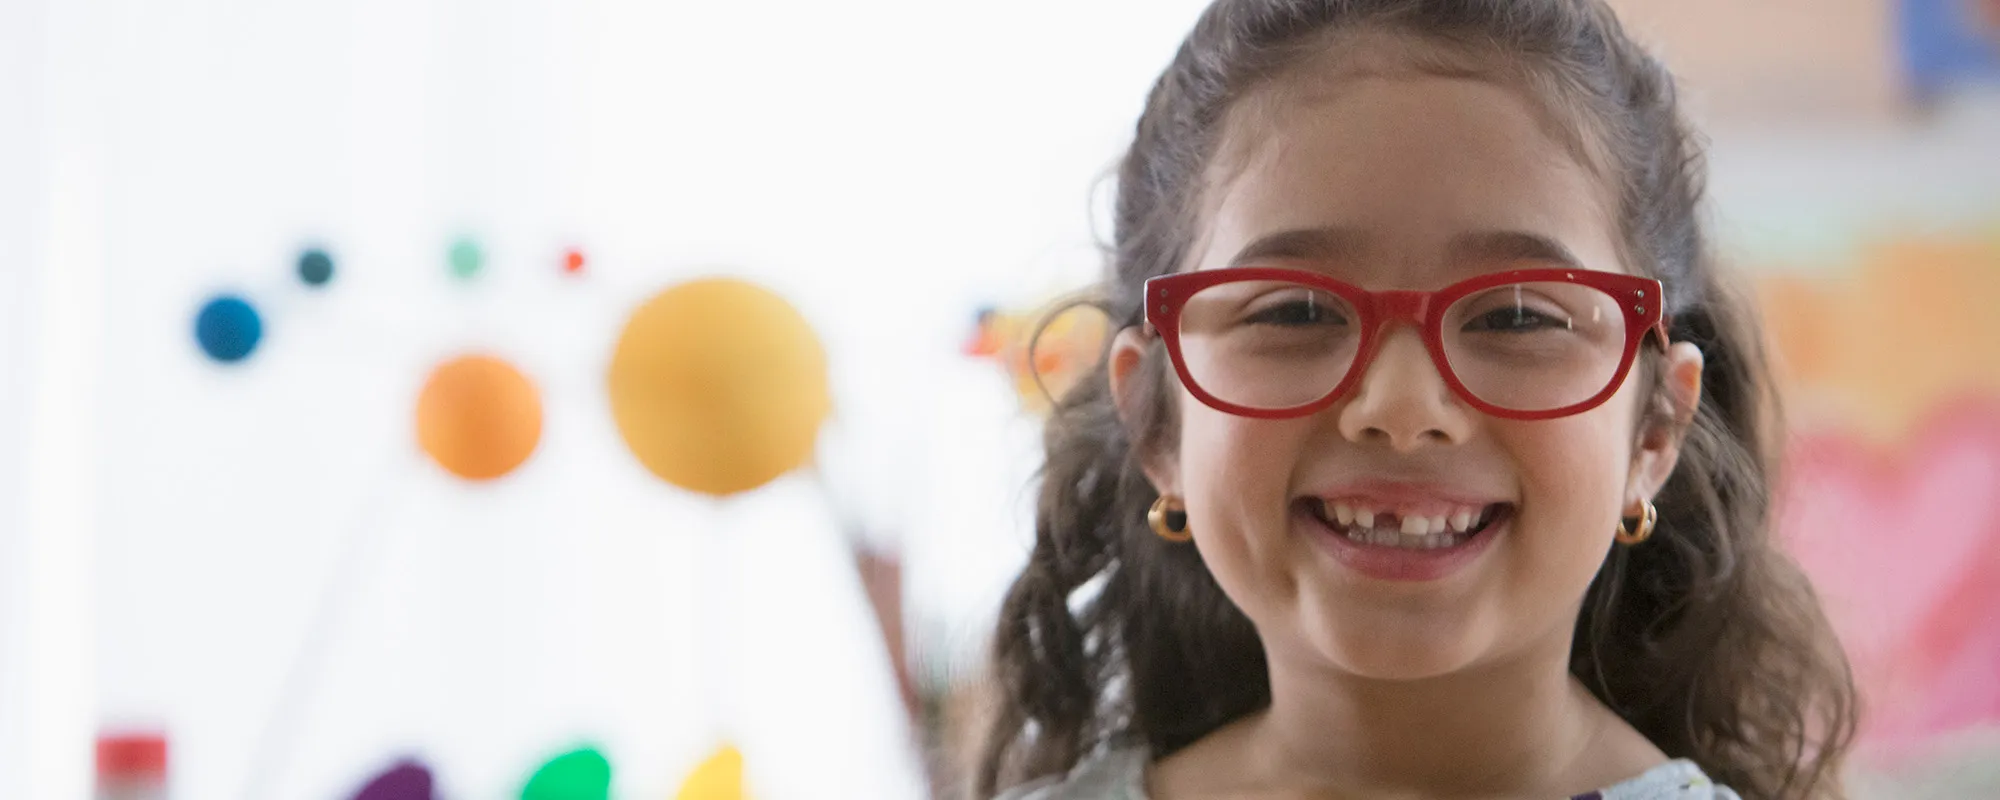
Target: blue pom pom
x=228 y=329
x=315 y=267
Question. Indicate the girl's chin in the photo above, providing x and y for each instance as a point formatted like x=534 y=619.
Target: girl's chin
x=1401 y=646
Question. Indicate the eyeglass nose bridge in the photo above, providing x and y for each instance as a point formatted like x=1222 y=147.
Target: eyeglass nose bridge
x=1387 y=309
x=1400 y=306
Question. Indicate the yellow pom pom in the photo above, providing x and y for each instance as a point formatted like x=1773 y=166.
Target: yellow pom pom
x=719 y=386
x=718 y=778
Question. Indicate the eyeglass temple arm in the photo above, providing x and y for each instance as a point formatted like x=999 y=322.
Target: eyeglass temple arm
x=1659 y=334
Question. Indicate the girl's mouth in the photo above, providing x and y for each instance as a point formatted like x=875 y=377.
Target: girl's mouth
x=1401 y=543
x=1390 y=527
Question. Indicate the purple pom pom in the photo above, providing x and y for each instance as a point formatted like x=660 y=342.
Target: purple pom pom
x=407 y=780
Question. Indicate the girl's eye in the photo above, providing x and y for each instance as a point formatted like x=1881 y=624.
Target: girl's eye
x=1297 y=313
x=1516 y=318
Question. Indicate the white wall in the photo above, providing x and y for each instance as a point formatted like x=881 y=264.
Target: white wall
x=21 y=51
x=49 y=306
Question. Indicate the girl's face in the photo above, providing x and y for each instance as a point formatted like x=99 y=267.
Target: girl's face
x=1396 y=180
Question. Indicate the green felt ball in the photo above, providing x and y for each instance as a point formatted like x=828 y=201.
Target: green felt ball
x=466 y=259
x=581 y=774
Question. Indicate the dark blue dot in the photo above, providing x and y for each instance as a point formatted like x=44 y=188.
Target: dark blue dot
x=228 y=328
x=315 y=267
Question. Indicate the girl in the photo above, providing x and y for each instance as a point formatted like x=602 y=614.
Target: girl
x=1434 y=456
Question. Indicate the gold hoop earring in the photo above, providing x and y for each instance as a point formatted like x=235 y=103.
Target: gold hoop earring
x=1169 y=519
x=1648 y=517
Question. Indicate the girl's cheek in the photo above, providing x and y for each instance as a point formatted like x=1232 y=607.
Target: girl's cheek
x=1572 y=480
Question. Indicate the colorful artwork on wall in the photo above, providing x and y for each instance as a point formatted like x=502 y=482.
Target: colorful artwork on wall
x=1948 y=42
x=1891 y=499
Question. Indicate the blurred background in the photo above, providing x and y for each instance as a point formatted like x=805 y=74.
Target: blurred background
x=372 y=421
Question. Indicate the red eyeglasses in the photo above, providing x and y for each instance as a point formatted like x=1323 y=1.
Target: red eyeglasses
x=1271 y=342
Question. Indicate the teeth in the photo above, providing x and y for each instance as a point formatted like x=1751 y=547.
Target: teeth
x=1397 y=525
x=1383 y=538
x=1425 y=526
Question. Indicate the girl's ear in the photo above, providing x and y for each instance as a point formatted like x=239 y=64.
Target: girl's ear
x=1659 y=445
x=1128 y=354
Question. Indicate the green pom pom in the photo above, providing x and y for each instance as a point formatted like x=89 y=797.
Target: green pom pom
x=466 y=259
x=581 y=774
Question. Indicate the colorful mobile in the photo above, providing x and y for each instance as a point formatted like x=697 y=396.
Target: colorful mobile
x=717 y=386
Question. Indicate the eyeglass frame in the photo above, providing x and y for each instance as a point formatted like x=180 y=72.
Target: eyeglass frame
x=1638 y=297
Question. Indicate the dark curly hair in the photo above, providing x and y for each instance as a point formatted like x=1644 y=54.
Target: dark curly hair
x=1708 y=640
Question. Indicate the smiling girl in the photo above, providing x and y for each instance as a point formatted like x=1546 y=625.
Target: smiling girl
x=1434 y=457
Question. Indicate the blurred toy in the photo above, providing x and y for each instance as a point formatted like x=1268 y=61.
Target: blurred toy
x=1044 y=369
x=228 y=328
x=466 y=258
x=315 y=267
x=478 y=417
x=132 y=766
x=720 y=777
x=719 y=386
x=581 y=774
x=406 y=780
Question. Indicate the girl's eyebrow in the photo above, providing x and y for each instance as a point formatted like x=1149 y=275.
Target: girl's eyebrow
x=1511 y=246
x=1338 y=243
x=1331 y=243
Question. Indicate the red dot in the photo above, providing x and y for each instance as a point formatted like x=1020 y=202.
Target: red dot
x=573 y=261
x=132 y=756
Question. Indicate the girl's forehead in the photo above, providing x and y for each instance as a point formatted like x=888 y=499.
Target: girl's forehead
x=1414 y=162
x=1331 y=65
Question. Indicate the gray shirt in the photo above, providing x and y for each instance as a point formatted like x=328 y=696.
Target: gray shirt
x=1121 y=775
